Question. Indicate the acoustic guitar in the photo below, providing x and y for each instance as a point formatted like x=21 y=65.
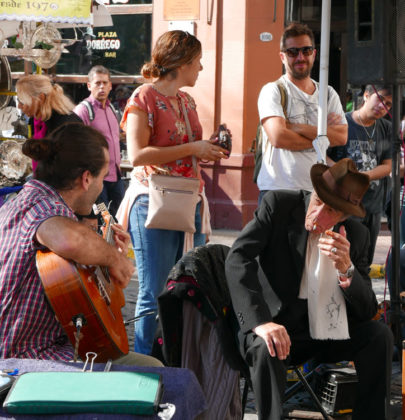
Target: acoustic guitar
x=86 y=301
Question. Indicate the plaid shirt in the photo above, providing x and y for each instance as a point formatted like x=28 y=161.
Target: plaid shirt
x=28 y=327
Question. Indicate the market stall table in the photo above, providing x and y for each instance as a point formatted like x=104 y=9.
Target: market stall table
x=181 y=388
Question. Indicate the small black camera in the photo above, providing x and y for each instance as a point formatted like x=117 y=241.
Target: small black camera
x=224 y=138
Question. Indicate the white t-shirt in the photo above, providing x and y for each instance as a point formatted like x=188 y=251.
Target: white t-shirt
x=286 y=169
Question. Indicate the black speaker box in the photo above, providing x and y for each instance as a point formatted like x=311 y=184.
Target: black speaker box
x=337 y=391
x=376 y=41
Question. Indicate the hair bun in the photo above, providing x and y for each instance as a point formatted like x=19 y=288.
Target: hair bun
x=37 y=149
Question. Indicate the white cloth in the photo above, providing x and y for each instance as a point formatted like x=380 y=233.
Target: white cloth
x=286 y=169
x=326 y=303
x=135 y=188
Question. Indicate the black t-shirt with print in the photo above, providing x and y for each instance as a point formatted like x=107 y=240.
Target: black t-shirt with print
x=367 y=151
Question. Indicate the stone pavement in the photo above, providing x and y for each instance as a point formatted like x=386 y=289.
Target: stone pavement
x=227 y=237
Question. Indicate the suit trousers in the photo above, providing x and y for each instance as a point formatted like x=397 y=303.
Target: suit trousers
x=370 y=347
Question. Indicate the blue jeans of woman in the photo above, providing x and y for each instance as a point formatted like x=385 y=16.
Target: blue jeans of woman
x=156 y=252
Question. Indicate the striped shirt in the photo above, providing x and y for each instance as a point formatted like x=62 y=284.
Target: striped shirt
x=28 y=327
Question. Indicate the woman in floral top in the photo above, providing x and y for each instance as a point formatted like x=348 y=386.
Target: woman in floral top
x=157 y=141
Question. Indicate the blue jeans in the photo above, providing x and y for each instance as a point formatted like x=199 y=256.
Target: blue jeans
x=156 y=252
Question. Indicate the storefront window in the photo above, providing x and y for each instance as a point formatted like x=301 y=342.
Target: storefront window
x=122 y=48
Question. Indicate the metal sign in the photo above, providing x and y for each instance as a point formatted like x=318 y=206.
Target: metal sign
x=181 y=10
x=266 y=37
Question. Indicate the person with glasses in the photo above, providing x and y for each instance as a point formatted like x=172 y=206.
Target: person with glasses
x=369 y=146
x=287 y=139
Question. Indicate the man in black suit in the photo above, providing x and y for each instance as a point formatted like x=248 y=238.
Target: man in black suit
x=315 y=260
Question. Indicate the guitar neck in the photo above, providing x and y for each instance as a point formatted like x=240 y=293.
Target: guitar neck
x=109 y=221
x=109 y=233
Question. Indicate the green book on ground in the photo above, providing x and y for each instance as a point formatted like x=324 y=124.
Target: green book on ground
x=85 y=392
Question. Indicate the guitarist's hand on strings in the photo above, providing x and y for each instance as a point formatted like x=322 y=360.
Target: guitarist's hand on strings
x=121 y=238
x=122 y=271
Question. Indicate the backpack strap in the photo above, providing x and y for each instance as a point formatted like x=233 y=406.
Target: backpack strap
x=283 y=102
x=284 y=97
x=90 y=110
x=116 y=113
x=257 y=142
x=89 y=107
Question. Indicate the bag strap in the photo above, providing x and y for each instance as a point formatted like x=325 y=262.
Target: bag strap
x=116 y=112
x=283 y=96
x=189 y=134
x=89 y=107
x=283 y=102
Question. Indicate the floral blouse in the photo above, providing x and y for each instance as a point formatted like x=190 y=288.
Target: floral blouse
x=168 y=128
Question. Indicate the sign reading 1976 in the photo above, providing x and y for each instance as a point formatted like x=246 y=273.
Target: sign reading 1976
x=41 y=5
x=71 y=11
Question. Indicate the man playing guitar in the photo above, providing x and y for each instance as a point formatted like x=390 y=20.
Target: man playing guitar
x=73 y=161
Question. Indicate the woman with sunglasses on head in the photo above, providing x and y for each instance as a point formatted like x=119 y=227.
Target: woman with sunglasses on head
x=45 y=103
x=158 y=142
x=289 y=155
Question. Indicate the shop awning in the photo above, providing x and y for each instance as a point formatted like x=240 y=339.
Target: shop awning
x=55 y=11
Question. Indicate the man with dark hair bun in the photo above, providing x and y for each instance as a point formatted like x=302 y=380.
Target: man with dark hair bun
x=71 y=167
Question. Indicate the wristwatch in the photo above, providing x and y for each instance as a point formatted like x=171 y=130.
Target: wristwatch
x=349 y=272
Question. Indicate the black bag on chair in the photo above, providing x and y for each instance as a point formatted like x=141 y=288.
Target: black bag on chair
x=195 y=314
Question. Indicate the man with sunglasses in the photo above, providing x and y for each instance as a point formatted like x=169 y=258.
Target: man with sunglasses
x=287 y=138
x=369 y=146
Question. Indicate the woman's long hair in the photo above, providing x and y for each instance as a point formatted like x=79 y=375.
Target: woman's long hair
x=30 y=87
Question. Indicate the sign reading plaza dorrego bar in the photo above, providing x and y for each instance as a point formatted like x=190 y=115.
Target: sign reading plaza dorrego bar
x=105 y=41
x=66 y=11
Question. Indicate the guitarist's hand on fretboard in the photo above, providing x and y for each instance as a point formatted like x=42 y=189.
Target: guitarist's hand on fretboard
x=120 y=271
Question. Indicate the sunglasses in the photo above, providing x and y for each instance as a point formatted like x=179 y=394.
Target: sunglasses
x=293 y=52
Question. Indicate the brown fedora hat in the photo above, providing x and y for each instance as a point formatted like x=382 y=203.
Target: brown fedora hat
x=341 y=186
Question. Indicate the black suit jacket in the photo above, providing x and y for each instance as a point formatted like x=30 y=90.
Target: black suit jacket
x=277 y=239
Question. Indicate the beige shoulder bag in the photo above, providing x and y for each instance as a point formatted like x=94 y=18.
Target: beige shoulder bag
x=173 y=199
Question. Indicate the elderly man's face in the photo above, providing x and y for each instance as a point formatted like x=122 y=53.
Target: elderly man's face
x=320 y=216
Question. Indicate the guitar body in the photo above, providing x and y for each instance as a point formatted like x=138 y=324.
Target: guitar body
x=72 y=290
